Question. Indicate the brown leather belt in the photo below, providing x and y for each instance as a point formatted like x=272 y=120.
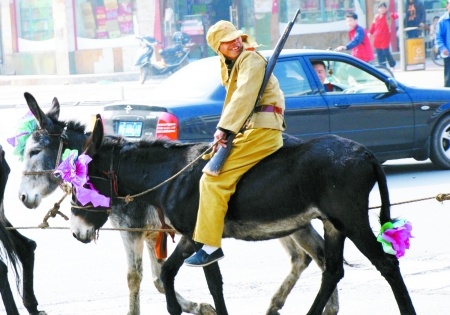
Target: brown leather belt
x=268 y=109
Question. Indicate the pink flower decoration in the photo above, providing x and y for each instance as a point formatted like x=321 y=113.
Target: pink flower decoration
x=399 y=238
x=73 y=170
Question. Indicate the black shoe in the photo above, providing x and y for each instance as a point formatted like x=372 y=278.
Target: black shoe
x=202 y=259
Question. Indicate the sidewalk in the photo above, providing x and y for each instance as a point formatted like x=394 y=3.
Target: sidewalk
x=74 y=90
x=68 y=79
x=431 y=77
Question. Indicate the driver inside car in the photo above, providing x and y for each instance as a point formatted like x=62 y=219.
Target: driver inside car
x=321 y=71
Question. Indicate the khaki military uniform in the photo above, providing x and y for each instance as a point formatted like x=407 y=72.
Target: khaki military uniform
x=261 y=138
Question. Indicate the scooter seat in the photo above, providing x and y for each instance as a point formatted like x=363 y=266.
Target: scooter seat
x=170 y=51
x=173 y=55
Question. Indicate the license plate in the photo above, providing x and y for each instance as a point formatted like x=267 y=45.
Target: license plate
x=130 y=129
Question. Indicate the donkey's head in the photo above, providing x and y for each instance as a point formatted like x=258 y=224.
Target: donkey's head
x=86 y=220
x=41 y=151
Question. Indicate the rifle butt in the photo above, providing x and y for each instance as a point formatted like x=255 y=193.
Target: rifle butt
x=214 y=166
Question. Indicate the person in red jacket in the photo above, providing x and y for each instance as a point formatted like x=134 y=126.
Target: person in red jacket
x=380 y=29
x=359 y=41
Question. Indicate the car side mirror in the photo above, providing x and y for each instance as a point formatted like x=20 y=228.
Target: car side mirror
x=391 y=85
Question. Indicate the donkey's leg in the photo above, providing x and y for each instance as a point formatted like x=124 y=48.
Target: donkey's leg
x=215 y=285
x=5 y=291
x=169 y=271
x=299 y=261
x=334 y=269
x=25 y=248
x=134 y=247
x=186 y=306
x=310 y=241
x=386 y=264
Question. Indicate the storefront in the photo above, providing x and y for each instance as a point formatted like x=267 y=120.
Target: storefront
x=76 y=36
x=261 y=19
x=98 y=36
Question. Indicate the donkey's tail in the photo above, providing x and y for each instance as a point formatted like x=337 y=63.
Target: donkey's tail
x=8 y=252
x=385 y=211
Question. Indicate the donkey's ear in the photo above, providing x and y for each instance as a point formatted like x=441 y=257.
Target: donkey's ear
x=43 y=121
x=53 y=113
x=96 y=139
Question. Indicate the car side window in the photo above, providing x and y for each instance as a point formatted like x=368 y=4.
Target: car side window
x=353 y=80
x=292 y=78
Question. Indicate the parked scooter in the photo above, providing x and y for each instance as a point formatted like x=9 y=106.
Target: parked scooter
x=173 y=58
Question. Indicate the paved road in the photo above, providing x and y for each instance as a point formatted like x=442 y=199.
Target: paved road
x=73 y=278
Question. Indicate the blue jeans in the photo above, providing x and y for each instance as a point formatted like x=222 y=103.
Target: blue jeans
x=383 y=55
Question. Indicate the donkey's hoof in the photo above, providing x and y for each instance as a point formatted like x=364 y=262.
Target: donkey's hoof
x=272 y=312
x=206 y=309
x=40 y=313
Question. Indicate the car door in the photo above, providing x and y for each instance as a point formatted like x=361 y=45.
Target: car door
x=306 y=114
x=365 y=111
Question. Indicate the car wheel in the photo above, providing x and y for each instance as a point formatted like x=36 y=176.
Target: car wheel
x=440 y=144
x=144 y=73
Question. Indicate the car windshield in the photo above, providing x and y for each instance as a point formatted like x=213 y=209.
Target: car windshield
x=195 y=81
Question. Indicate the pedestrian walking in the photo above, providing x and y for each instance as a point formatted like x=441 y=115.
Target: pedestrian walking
x=380 y=30
x=442 y=41
x=242 y=71
x=359 y=41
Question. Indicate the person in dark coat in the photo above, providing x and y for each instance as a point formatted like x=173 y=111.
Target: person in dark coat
x=414 y=17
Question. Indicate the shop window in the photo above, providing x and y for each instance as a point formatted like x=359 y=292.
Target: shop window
x=315 y=11
x=104 y=19
x=35 y=20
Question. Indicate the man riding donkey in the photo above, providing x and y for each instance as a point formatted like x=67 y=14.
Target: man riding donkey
x=242 y=70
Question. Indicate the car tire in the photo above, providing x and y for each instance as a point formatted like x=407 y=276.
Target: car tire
x=440 y=144
x=144 y=73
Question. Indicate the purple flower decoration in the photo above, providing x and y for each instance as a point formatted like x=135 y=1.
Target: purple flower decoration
x=394 y=236
x=73 y=170
x=25 y=127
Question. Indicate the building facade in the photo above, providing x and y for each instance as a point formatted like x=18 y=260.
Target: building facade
x=99 y=36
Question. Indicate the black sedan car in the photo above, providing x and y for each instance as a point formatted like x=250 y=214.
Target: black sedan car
x=393 y=120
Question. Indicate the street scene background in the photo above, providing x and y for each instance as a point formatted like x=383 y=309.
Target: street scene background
x=72 y=278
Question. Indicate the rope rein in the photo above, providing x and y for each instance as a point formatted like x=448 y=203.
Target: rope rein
x=103 y=229
x=68 y=190
x=131 y=197
x=44 y=225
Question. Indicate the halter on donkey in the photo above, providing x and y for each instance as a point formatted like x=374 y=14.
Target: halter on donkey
x=329 y=178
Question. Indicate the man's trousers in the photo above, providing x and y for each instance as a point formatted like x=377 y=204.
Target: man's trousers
x=248 y=149
x=447 y=72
